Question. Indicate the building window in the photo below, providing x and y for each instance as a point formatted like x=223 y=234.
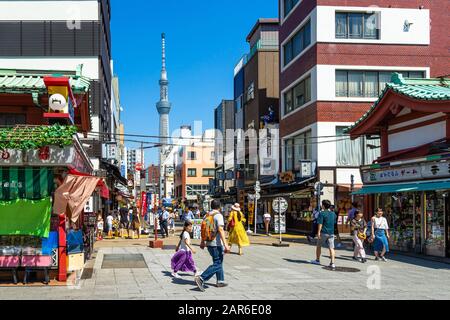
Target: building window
x=367 y=84
x=208 y=172
x=251 y=91
x=356 y=152
x=213 y=155
x=298 y=43
x=12 y=119
x=298 y=148
x=192 y=172
x=288 y=5
x=197 y=189
x=357 y=25
x=297 y=96
x=192 y=155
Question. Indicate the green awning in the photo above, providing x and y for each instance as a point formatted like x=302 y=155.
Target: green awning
x=404 y=187
x=25 y=217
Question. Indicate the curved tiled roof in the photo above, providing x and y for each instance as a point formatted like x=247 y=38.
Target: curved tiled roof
x=11 y=82
x=419 y=89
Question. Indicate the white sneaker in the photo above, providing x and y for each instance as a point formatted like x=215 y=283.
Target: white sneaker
x=197 y=273
x=175 y=275
x=384 y=259
x=316 y=262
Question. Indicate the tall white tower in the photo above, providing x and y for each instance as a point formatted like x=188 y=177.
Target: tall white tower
x=163 y=107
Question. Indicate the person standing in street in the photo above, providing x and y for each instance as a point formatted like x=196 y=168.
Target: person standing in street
x=136 y=224
x=163 y=222
x=352 y=212
x=100 y=224
x=359 y=229
x=380 y=235
x=237 y=234
x=267 y=218
x=172 y=221
x=213 y=238
x=109 y=223
x=325 y=233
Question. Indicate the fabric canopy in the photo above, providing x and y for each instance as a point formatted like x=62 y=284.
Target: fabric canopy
x=26 y=183
x=25 y=217
x=404 y=187
x=73 y=195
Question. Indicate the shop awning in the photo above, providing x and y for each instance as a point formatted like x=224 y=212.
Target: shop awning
x=404 y=187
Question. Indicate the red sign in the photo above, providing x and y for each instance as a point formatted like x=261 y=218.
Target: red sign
x=144 y=203
x=138 y=167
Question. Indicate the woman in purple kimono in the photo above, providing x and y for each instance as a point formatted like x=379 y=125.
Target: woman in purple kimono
x=182 y=260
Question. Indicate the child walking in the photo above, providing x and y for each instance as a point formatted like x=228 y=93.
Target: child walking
x=182 y=260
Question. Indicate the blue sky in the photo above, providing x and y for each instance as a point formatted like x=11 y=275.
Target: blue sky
x=205 y=39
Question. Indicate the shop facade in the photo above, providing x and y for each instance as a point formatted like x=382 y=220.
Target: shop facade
x=410 y=181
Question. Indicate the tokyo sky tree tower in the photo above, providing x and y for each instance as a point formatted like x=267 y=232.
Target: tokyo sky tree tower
x=163 y=106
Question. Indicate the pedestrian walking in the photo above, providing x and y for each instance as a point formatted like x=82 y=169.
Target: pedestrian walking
x=100 y=225
x=213 y=238
x=380 y=235
x=313 y=233
x=183 y=260
x=164 y=222
x=352 y=212
x=359 y=229
x=336 y=229
x=325 y=233
x=123 y=213
x=172 y=221
x=109 y=223
x=267 y=219
x=237 y=234
x=136 y=223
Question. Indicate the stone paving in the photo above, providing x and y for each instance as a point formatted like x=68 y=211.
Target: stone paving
x=264 y=272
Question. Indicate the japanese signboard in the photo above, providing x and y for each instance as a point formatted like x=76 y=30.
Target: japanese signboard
x=428 y=170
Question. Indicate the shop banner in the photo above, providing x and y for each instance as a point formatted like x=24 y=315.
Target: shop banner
x=25 y=217
x=414 y=172
x=144 y=203
x=25 y=183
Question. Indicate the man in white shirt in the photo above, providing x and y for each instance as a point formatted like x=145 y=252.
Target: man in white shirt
x=109 y=222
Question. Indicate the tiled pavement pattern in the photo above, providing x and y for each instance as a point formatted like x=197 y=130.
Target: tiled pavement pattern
x=264 y=272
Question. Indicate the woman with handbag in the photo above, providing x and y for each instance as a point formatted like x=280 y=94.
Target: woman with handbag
x=359 y=228
x=236 y=230
x=380 y=235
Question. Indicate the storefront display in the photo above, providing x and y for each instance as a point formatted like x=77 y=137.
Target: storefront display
x=435 y=209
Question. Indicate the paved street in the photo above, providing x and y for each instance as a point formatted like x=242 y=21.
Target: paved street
x=264 y=272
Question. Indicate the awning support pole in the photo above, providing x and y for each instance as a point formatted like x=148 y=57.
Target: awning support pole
x=62 y=249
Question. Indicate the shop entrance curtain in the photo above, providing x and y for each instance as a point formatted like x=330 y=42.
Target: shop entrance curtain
x=73 y=195
x=31 y=183
x=25 y=217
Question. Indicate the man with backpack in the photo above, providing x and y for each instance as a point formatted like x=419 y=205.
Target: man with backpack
x=213 y=238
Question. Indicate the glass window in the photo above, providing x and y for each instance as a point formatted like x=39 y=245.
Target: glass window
x=192 y=172
x=370 y=26
x=298 y=43
x=299 y=147
x=299 y=95
x=416 y=74
x=289 y=5
x=308 y=145
x=348 y=152
x=192 y=155
x=355 y=22
x=383 y=78
x=341 y=25
x=288 y=105
x=288 y=52
x=208 y=172
x=356 y=25
x=355 y=83
x=289 y=156
x=341 y=83
x=371 y=84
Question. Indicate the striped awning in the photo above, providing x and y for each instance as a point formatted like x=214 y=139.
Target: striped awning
x=31 y=183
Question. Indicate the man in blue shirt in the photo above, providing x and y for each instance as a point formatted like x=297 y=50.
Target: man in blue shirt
x=325 y=233
x=163 y=222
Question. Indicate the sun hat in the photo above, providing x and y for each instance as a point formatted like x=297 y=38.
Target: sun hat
x=236 y=207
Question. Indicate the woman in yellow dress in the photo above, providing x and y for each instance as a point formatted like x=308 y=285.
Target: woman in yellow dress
x=237 y=234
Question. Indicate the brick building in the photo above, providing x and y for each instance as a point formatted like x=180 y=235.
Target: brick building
x=335 y=59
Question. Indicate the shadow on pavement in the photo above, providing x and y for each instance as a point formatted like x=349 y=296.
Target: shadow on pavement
x=297 y=261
